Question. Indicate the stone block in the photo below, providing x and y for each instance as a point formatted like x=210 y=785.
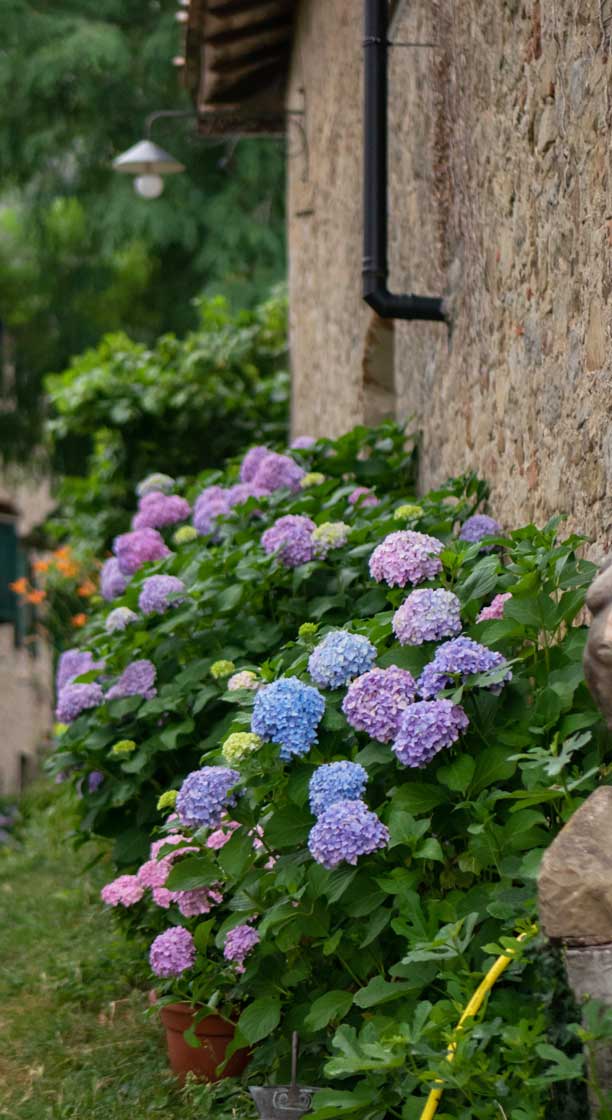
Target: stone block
x=575 y=881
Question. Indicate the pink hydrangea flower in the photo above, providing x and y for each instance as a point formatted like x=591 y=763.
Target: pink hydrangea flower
x=126 y=890
x=495 y=609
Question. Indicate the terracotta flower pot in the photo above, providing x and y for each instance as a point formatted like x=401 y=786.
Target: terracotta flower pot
x=214 y=1035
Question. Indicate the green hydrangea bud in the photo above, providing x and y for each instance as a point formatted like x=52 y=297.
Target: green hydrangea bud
x=185 y=535
x=403 y=513
x=124 y=746
x=167 y=799
x=221 y=669
x=313 y=478
x=307 y=631
x=59 y=728
x=238 y=746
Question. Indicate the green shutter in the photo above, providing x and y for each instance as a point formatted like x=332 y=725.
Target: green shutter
x=8 y=570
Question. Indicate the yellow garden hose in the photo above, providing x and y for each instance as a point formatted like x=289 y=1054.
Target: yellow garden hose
x=473 y=1007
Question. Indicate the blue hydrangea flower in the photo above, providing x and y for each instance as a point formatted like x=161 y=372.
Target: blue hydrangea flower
x=427 y=615
x=345 y=831
x=288 y=712
x=205 y=796
x=458 y=658
x=428 y=727
x=336 y=781
x=340 y=657
x=479 y=526
x=77 y=698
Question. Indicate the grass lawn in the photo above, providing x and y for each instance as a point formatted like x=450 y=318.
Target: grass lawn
x=77 y=1040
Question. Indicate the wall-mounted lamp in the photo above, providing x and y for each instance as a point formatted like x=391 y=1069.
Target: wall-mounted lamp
x=147 y=161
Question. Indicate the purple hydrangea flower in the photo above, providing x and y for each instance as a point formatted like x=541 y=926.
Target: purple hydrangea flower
x=277 y=472
x=251 y=463
x=363 y=497
x=288 y=712
x=113 y=582
x=137 y=680
x=159 y=593
x=137 y=548
x=157 y=481
x=479 y=526
x=172 y=952
x=459 y=658
x=156 y=510
x=336 y=781
x=212 y=503
x=77 y=698
x=302 y=443
x=241 y=492
x=94 y=780
x=345 y=831
x=123 y=891
x=427 y=615
x=119 y=619
x=73 y=663
x=428 y=727
x=340 y=657
x=406 y=557
x=198 y=901
x=239 y=942
x=205 y=795
x=376 y=702
x=290 y=538
x=495 y=611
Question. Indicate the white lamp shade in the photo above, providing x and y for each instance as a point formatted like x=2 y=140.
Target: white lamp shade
x=146 y=158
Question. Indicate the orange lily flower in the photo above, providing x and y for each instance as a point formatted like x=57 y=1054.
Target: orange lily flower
x=78 y=619
x=19 y=586
x=41 y=565
x=36 y=596
x=87 y=589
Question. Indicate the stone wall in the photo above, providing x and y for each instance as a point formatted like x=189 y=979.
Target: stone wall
x=500 y=147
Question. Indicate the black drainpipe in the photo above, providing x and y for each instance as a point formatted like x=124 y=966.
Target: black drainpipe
x=375 y=175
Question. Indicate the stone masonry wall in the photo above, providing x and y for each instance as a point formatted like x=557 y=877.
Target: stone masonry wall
x=501 y=201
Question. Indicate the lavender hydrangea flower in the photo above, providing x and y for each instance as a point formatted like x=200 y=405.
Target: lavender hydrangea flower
x=290 y=539
x=302 y=443
x=426 y=616
x=77 y=698
x=336 y=781
x=376 y=702
x=428 y=727
x=345 y=831
x=405 y=557
x=210 y=504
x=119 y=619
x=205 y=795
x=73 y=663
x=245 y=678
x=156 y=510
x=137 y=680
x=172 y=952
x=340 y=657
x=288 y=712
x=159 y=593
x=126 y=890
x=242 y=491
x=153 y=482
x=251 y=462
x=459 y=658
x=495 y=610
x=277 y=472
x=137 y=548
x=94 y=781
x=239 y=942
x=330 y=535
x=479 y=526
x=363 y=497
x=113 y=581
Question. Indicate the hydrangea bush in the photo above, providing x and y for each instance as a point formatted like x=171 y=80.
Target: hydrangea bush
x=365 y=789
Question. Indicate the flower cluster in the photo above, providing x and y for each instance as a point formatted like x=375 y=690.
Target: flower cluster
x=288 y=712
x=290 y=539
x=156 y=510
x=427 y=615
x=184 y=535
x=427 y=727
x=73 y=663
x=313 y=478
x=406 y=512
x=222 y=668
x=479 y=526
x=363 y=497
x=376 y=702
x=459 y=658
x=199 y=901
x=239 y=942
x=336 y=781
x=126 y=890
x=124 y=746
x=137 y=548
x=251 y=463
x=239 y=746
x=329 y=535
x=167 y=800
x=406 y=557
x=119 y=619
x=172 y=952
x=158 y=593
x=277 y=472
x=495 y=610
x=246 y=678
x=113 y=581
x=340 y=657
x=154 y=482
x=210 y=504
x=138 y=679
x=345 y=831
x=205 y=795
x=302 y=443
x=77 y=698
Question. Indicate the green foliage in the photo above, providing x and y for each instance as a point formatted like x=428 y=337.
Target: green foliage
x=372 y=963
x=80 y=253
